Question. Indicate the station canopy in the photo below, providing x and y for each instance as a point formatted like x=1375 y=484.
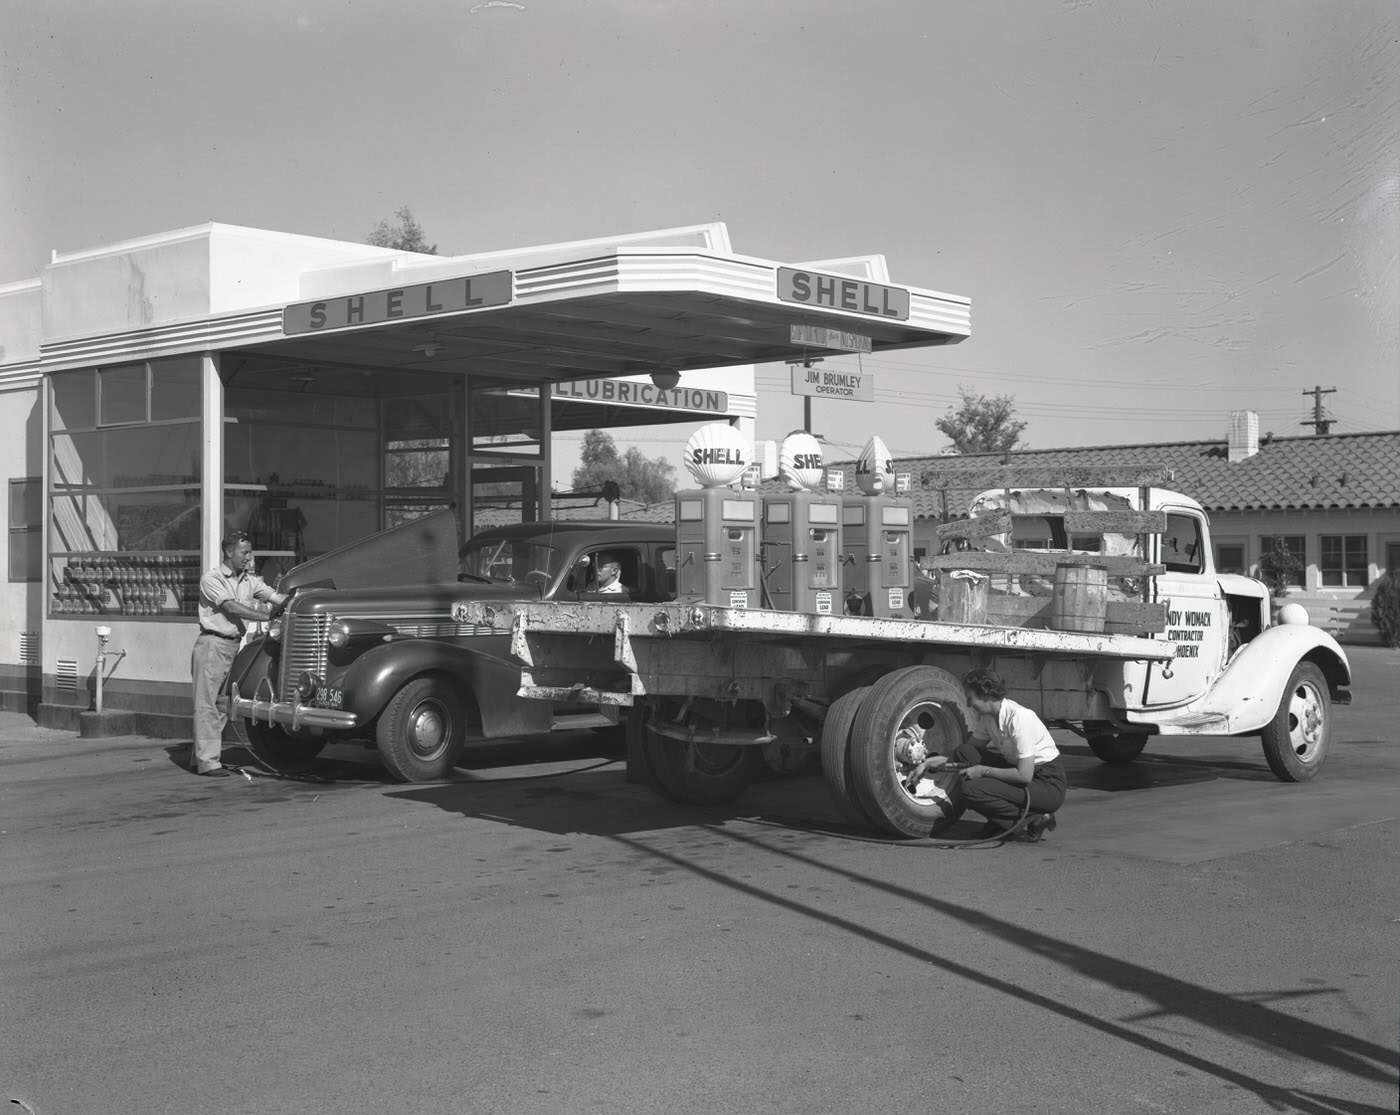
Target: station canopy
x=653 y=312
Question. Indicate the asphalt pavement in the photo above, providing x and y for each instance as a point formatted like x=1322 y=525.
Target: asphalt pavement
x=539 y=935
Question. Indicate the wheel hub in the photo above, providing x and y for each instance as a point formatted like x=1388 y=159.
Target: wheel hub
x=1305 y=722
x=427 y=733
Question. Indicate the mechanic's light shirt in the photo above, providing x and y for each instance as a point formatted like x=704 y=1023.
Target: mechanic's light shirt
x=1018 y=731
x=221 y=584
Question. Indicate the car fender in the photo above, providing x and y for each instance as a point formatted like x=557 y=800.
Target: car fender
x=252 y=667
x=1249 y=690
x=488 y=681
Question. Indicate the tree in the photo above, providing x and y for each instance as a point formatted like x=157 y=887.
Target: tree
x=637 y=477
x=982 y=424
x=403 y=233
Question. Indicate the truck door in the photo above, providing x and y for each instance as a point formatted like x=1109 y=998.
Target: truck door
x=1197 y=621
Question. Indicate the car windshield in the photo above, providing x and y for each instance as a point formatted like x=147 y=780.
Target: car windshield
x=509 y=560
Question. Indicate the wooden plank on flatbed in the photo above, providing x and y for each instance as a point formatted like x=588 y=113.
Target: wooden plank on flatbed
x=1013 y=477
x=1133 y=617
x=1121 y=617
x=1116 y=522
x=983 y=526
x=1043 y=564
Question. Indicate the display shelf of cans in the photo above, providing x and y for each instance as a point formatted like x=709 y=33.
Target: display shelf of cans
x=128 y=584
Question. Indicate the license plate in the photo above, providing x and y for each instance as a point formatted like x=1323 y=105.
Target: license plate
x=327 y=697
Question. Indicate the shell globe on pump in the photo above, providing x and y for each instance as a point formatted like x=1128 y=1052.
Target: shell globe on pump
x=877 y=536
x=716 y=523
x=801 y=548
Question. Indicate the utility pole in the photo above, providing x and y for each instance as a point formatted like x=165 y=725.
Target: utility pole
x=807 y=362
x=1319 y=424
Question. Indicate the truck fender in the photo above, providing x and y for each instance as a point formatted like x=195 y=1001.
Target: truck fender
x=1249 y=690
x=489 y=682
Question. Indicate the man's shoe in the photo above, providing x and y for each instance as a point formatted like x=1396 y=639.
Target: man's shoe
x=217 y=772
x=1036 y=828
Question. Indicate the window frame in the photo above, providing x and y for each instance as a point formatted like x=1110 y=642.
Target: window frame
x=19 y=539
x=1347 y=567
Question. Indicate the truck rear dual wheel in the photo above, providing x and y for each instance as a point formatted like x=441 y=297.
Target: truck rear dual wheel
x=422 y=731
x=1296 y=740
x=927 y=700
x=836 y=756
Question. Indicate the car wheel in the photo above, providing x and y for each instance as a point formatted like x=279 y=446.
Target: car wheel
x=273 y=746
x=422 y=731
x=698 y=772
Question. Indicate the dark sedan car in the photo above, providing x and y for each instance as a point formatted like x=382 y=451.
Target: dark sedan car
x=371 y=644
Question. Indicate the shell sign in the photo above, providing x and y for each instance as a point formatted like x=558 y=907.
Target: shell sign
x=875 y=468
x=800 y=461
x=716 y=455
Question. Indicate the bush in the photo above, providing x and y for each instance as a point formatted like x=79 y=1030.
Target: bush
x=1277 y=567
x=1385 y=608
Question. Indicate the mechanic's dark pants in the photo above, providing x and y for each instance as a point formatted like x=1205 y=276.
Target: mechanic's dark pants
x=1002 y=802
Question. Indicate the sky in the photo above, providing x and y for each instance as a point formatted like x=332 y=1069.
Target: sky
x=1161 y=211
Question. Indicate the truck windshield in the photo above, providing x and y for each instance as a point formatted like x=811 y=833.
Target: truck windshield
x=508 y=560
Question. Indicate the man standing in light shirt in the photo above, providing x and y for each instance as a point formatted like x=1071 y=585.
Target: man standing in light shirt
x=230 y=597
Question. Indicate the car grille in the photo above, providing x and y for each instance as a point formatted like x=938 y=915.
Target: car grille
x=303 y=648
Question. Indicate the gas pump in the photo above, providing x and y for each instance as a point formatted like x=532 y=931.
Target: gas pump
x=801 y=547
x=877 y=529
x=717 y=524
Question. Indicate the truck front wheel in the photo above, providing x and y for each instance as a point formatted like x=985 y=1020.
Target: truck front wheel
x=913 y=707
x=422 y=731
x=1117 y=747
x=1295 y=741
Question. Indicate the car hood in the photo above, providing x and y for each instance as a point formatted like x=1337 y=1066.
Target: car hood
x=419 y=552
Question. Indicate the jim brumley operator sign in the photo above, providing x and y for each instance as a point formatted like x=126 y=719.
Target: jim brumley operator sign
x=823 y=384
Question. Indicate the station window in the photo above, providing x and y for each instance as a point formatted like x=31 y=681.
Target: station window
x=124 y=496
x=1297 y=547
x=26 y=528
x=316 y=457
x=1229 y=557
x=1343 y=560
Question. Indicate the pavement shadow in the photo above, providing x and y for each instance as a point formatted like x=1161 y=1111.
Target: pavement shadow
x=1245 y=1017
x=1148 y=771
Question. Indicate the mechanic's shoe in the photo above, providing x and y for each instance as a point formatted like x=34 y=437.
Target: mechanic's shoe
x=216 y=772
x=1036 y=827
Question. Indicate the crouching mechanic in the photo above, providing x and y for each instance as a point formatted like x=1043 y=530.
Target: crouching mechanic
x=230 y=597
x=1019 y=758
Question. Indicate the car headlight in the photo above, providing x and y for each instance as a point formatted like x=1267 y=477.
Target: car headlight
x=274 y=629
x=338 y=634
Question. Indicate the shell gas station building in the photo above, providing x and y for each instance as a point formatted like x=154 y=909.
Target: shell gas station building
x=160 y=393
